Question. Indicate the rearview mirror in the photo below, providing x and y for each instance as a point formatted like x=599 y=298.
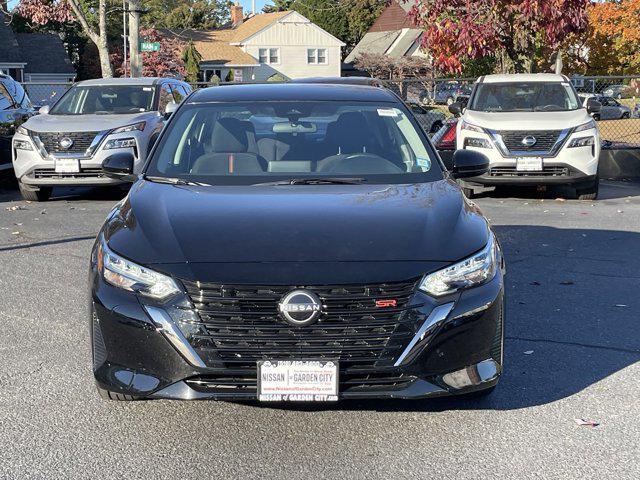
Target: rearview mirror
x=44 y=110
x=456 y=108
x=469 y=163
x=169 y=109
x=593 y=106
x=120 y=167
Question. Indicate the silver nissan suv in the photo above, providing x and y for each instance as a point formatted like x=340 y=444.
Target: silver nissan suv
x=66 y=145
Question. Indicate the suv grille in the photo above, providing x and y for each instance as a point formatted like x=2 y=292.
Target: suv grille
x=42 y=173
x=81 y=141
x=547 y=171
x=241 y=324
x=545 y=140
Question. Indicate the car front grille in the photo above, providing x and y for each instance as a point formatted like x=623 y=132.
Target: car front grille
x=545 y=140
x=240 y=324
x=547 y=171
x=48 y=173
x=51 y=141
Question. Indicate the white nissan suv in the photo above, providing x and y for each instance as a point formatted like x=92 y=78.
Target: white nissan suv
x=535 y=131
x=66 y=145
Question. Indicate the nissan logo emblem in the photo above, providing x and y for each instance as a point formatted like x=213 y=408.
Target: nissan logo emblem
x=529 y=141
x=300 y=308
x=66 y=143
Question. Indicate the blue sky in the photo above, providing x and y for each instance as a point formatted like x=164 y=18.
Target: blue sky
x=245 y=3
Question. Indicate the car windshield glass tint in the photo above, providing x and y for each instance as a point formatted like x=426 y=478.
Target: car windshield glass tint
x=525 y=97
x=274 y=141
x=102 y=99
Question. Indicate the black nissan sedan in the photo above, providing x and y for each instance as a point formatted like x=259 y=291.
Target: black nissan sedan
x=297 y=242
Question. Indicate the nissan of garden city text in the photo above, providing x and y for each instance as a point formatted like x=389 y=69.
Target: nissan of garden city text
x=295 y=242
x=535 y=131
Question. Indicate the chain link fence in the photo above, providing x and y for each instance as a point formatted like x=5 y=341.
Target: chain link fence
x=618 y=120
x=42 y=94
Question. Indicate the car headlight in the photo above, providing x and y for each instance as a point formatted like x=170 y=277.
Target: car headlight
x=125 y=274
x=119 y=143
x=477 y=142
x=475 y=270
x=582 y=142
x=469 y=126
x=22 y=131
x=585 y=126
x=22 y=145
x=131 y=128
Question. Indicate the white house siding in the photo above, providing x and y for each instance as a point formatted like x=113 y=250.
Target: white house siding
x=293 y=35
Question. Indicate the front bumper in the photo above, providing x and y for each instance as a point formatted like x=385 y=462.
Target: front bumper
x=36 y=167
x=569 y=166
x=459 y=353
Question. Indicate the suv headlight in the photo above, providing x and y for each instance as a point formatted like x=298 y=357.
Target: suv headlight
x=125 y=274
x=475 y=270
x=131 y=128
x=585 y=126
x=119 y=143
x=22 y=131
x=469 y=126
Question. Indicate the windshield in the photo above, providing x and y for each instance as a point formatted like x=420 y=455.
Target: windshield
x=524 y=97
x=103 y=99
x=262 y=142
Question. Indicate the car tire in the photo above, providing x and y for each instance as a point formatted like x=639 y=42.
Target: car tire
x=625 y=115
x=35 y=194
x=115 y=397
x=596 y=117
x=435 y=126
x=589 y=193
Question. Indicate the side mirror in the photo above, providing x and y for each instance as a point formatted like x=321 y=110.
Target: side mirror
x=456 y=108
x=169 y=109
x=120 y=166
x=469 y=163
x=44 y=110
x=593 y=106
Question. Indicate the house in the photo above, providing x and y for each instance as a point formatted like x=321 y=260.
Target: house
x=33 y=57
x=260 y=46
x=391 y=34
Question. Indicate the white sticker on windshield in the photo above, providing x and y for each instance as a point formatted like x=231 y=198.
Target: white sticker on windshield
x=388 y=112
x=147 y=89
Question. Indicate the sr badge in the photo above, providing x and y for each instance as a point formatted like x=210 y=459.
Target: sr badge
x=300 y=308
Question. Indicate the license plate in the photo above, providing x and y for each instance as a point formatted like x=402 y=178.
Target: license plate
x=529 y=164
x=67 y=165
x=297 y=381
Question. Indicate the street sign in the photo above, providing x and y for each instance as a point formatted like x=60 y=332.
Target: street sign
x=149 y=46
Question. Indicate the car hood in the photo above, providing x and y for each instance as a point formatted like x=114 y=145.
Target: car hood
x=83 y=123
x=527 y=120
x=163 y=224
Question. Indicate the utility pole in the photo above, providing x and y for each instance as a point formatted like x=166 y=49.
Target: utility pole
x=124 y=36
x=135 y=8
x=558 y=67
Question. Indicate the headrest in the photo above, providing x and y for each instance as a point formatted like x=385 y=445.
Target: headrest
x=230 y=135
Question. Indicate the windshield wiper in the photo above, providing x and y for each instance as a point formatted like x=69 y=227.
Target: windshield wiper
x=316 y=181
x=176 y=181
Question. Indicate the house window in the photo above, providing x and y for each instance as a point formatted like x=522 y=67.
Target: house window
x=317 y=56
x=269 y=55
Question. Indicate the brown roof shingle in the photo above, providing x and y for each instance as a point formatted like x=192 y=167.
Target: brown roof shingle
x=215 y=46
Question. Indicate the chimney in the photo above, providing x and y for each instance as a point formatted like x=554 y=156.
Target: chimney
x=236 y=14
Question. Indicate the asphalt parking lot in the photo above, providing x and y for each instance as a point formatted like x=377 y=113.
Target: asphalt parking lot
x=572 y=352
